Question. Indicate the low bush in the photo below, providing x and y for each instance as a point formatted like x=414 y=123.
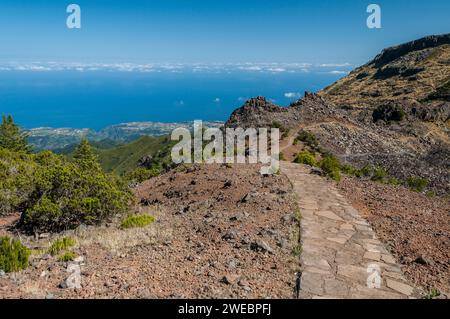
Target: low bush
x=378 y=174
x=17 y=171
x=331 y=167
x=134 y=221
x=417 y=184
x=51 y=192
x=388 y=113
x=13 y=255
x=67 y=194
x=68 y=256
x=308 y=138
x=348 y=169
x=60 y=245
x=305 y=157
x=140 y=175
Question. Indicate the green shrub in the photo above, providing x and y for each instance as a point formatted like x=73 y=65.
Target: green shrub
x=67 y=194
x=393 y=181
x=348 y=169
x=68 y=256
x=60 y=245
x=442 y=92
x=141 y=174
x=13 y=255
x=431 y=194
x=366 y=171
x=388 y=113
x=378 y=174
x=17 y=171
x=134 y=221
x=331 y=166
x=432 y=294
x=308 y=138
x=305 y=157
x=52 y=193
x=417 y=184
x=11 y=137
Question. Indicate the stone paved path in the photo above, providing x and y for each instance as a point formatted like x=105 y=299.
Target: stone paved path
x=340 y=251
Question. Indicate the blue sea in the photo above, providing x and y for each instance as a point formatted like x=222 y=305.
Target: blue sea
x=98 y=99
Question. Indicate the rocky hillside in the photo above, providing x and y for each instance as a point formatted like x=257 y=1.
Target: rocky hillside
x=393 y=112
x=418 y=71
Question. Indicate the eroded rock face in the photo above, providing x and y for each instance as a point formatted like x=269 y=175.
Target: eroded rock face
x=259 y=112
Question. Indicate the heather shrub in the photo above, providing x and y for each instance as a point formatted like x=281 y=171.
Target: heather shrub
x=60 y=245
x=305 y=157
x=308 y=138
x=388 y=113
x=67 y=256
x=16 y=179
x=141 y=174
x=66 y=194
x=417 y=184
x=135 y=221
x=331 y=167
x=13 y=255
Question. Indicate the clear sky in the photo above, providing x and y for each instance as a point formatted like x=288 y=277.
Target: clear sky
x=208 y=31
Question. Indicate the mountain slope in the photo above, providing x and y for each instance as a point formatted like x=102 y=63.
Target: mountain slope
x=127 y=157
x=393 y=112
x=418 y=70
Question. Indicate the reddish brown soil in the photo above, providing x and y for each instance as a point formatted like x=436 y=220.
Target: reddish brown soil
x=416 y=228
x=213 y=226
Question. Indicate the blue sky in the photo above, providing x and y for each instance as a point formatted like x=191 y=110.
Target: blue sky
x=208 y=31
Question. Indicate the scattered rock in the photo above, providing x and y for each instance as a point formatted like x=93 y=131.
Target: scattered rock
x=230 y=235
x=261 y=246
x=228 y=184
x=230 y=279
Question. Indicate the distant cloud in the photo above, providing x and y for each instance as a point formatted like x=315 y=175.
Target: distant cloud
x=250 y=68
x=276 y=70
x=292 y=95
x=176 y=67
x=335 y=65
x=338 y=72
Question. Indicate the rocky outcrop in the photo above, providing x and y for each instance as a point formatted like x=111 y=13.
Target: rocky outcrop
x=259 y=112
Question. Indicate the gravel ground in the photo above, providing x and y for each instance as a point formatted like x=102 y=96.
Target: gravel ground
x=416 y=228
x=220 y=232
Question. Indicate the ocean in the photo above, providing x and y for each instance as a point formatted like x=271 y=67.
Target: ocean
x=97 y=99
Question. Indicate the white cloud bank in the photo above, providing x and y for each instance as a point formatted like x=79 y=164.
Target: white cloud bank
x=274 y=68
